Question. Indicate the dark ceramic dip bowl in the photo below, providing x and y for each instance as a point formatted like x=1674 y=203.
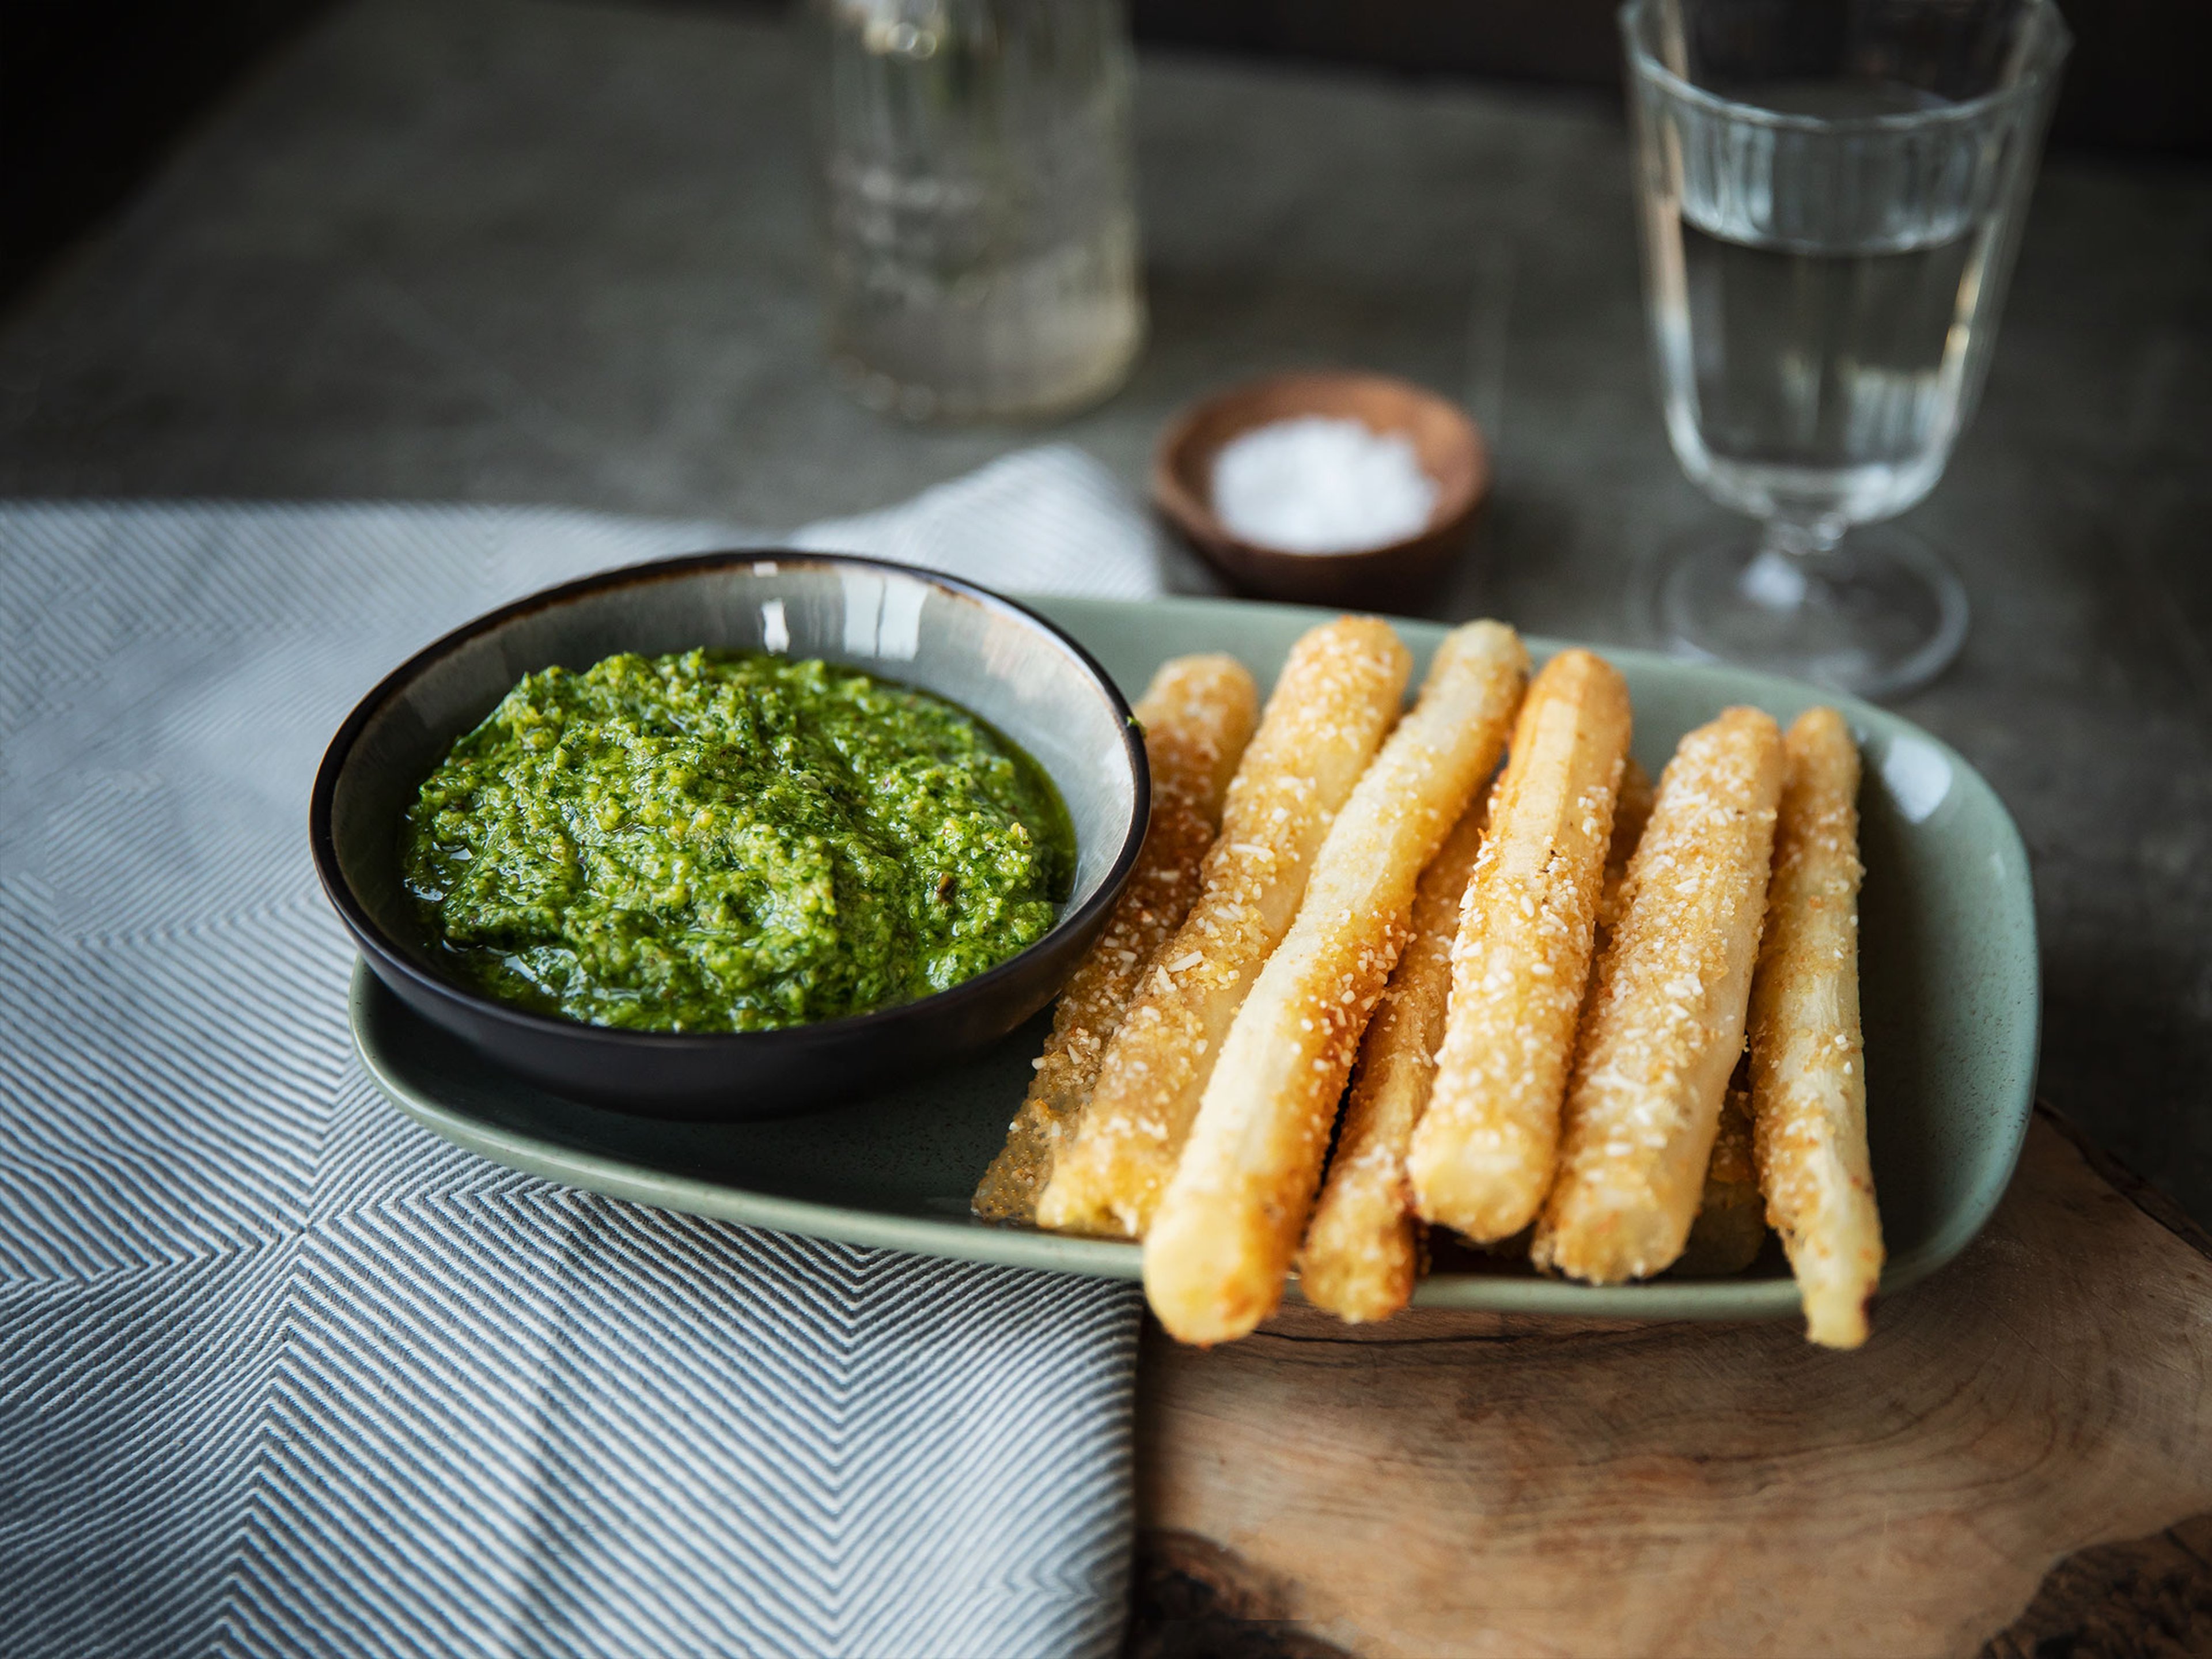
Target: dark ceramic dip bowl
x=987 y=654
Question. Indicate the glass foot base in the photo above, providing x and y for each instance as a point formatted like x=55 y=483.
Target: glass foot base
x=1877 y=616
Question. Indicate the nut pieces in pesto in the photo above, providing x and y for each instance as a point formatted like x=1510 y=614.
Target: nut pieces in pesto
x=718 y=841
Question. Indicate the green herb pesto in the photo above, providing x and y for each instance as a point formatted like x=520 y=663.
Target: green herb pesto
x=716 y=841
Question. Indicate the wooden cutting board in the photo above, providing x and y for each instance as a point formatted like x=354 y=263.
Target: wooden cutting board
x=2037 y=1415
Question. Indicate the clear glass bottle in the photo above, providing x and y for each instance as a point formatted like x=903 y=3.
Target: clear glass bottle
x=978 y=217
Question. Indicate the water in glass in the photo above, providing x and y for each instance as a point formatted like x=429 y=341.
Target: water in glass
x=1819 y=375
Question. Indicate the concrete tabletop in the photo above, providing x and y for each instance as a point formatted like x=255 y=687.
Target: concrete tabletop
x=532 y=251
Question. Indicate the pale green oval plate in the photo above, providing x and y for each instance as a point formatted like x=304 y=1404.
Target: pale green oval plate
x=1949 y=981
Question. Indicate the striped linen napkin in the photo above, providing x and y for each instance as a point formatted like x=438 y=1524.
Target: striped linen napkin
x=280 y=1372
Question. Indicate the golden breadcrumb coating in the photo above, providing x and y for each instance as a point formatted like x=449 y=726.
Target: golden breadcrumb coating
x=1807 y=1057
x=1198 y=714
x=1361 y=1255
x=1223 y=1237
x=1337 y=696
x=1482 y=1157
x=1665 y=1023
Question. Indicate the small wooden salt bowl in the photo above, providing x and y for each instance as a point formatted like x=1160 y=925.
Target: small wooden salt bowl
x=1447 y=442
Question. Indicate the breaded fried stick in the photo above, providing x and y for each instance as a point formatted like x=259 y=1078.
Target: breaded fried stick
x=1198 y=714
x=1481 y=1160
x=1222 y=1240
x=1665 y=1022
x=1807 y=1065
x=1336 y=698
x=1359 y=1258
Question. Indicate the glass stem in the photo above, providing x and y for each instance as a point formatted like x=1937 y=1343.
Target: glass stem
x=1780 y=574
x=1802 y=540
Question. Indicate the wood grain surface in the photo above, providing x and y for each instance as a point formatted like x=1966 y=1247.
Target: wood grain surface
x=1467 y=1483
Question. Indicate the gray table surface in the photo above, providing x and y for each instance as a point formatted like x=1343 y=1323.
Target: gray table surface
x=531 y=251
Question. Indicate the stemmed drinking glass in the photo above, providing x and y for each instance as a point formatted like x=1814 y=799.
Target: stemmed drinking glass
x=1830 y=194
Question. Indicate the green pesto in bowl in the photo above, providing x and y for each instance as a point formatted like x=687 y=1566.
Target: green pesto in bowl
x=730 y=841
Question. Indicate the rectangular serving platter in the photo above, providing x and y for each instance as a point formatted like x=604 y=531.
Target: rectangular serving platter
x=1949 y=973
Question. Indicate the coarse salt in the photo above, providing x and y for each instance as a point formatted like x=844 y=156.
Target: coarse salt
x=1318 y=484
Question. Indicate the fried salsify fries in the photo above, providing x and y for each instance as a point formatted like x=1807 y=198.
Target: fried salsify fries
x=1187 y=1092
x=1222 y=1238
x=1335 y=700
x=1198 y=714
x=1808 y=1061
x=1360 y=1256
x=1482 y=1156
x=1665 y=1022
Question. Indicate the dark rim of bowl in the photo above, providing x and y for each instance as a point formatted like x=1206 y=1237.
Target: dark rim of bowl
x=340 y=892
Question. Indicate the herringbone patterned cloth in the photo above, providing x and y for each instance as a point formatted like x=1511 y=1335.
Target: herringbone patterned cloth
x=280 y=1373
